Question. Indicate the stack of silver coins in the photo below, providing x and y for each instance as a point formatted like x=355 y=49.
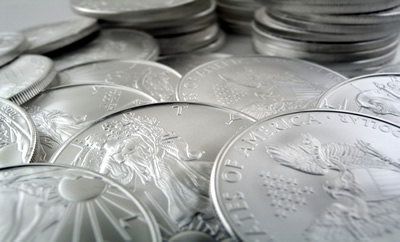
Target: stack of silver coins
x=178 y=26
x=351 y=37
x=103 y=140
x=235 y=16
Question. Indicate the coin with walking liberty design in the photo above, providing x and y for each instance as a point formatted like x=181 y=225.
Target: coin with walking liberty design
x=18 y=135
x=327 y=175
x=44 y=202
x=57 y=116
x=164 y=154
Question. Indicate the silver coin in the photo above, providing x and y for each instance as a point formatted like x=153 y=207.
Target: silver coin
x=57 y=203
x=11 y=46
x=57 y=116
x=376 y=94
x=332 y=27
x=174 y=24
x=18 y=135
x=311 y=176
x=267 y=24
x=267 y=48
x=389 y=16
x=214 y=46
x=26 y=76
x=155 y=79
x=322 y=47
x=108 y=8
x=170 y=45
x=258 y=85
x=185 y=62
x=164 y=154
x=49 y=37
x=111 y=44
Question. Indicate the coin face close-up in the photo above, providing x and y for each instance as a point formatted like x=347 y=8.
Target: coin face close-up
x=376 y=94
x=57 y=116
x=164 y=154
x=56 y=203
x=259 y=86
x=316 y=175
x=157 y=80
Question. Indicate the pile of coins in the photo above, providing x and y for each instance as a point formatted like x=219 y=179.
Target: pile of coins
x=179 y=26
x=105 y=135
x=350 y=37
x=235 y=16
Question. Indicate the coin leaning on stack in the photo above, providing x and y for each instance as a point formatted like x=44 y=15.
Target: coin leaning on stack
x=353 y=38
x=136 y=150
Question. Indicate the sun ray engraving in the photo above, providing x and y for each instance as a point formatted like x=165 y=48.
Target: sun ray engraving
x=77 y=223
x=94 y=221
x=62 y=222
x=113 y=220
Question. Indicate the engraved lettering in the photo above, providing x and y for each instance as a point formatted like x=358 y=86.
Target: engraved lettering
x=179 y=109
x=231 y=176
x=232 y=164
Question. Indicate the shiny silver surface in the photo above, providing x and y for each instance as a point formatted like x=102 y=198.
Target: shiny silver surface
x=258 y=85
x=376 y=94
x=59 y=113
x=49 y=37
x=23 y=78
x=12 y=44
x=111 y=44
x=18 y=135
x=157 y=80
x=311 y=176
x=56 y=203
x=164 y=154
x=183 y=63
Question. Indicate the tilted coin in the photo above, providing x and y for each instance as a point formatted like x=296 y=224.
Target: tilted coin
x=44 y=202
x=11 y=46
x=157 y=80
x=25 y=77
x=49 y=37
x=258 y=85
x=311 y=176
x=164 y=154
x=183 y=63
x=111 y=44
x=376 y=94
x=18 y=135
x=60 y=112
x=111 y=9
